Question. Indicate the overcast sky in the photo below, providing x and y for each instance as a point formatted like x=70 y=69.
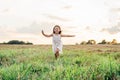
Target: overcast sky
x=87 y=19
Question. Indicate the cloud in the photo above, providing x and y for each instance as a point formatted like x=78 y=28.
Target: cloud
x=115 y=9
x=87 y=28
x=5 y=29
x=35 y=28
x=6 y=10
x=9 y=33
x=55 y=17
x=2 y=32
x=112 y=30
x=67 y=7
x=6 y=32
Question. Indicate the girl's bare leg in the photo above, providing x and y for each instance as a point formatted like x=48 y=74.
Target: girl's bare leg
x=57 y=53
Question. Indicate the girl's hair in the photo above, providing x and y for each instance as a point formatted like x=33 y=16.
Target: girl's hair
x=58 y=27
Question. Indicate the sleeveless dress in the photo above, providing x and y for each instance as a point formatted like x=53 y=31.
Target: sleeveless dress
x=57 y=43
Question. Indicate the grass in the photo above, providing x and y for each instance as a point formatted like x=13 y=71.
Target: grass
x=80 y=62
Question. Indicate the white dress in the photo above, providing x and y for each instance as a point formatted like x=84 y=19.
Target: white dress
x=57 y=43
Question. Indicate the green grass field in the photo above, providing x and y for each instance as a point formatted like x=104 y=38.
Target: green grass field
x=80 y=62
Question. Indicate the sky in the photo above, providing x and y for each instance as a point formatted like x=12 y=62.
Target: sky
x=87 y=19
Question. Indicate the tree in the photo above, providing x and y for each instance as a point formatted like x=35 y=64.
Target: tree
x=29 y=43
x=15 y=42
x=114 y=41
x=103 y=42
x=83 y=43
x=18 y=42
x=91 y=42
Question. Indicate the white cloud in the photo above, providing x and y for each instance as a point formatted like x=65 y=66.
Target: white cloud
x=112 y=30
x=36 y=27
x=25 y=18
x=54 y=17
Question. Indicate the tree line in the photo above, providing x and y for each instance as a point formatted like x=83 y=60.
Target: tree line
x=92 y=42
x=17 y=42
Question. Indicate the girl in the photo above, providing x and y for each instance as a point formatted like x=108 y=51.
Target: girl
x=57 y=43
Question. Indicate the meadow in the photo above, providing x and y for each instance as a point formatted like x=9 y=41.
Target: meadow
x=78 y=62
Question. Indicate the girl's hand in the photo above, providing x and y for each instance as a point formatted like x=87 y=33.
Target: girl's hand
x=42 y=32
x=46 y=35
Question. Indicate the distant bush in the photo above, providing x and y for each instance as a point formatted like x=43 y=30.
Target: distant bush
x=15 y=42
x=91 y=42
x=83 y=43
x=76 y=43
x=18 y=42
x=103 y=42
x=29 y=43
x=114 y=41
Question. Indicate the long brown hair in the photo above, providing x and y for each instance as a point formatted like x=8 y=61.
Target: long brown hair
x=58 y=27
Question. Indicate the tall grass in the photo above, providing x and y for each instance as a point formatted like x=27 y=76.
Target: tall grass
x=38 y=63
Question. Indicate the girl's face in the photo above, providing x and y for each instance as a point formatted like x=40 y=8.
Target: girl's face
x=57 y=30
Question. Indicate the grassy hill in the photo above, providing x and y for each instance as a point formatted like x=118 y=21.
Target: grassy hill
x=78 y=62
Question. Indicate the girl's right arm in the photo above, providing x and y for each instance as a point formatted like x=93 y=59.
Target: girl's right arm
x=46 y=34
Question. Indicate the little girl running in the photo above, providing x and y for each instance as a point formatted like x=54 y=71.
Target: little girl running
x=56 y=41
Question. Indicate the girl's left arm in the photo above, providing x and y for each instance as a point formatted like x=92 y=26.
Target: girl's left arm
x=63 y=35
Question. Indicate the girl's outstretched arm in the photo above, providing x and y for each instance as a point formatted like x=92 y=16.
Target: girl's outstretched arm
x=62 y=35
x=46 y=34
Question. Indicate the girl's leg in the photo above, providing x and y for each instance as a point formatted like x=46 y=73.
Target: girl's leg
x=57 y=53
